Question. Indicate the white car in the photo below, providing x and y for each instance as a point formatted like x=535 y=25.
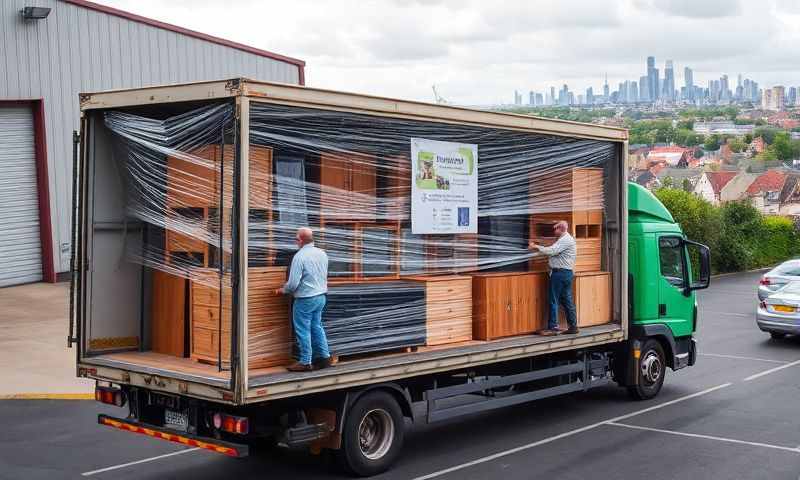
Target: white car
x=779 y=314
x=776 y=278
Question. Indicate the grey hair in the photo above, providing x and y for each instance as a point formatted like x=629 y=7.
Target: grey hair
x=563 y=224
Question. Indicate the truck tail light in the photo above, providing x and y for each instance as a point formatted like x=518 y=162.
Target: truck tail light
x=764 y=281
x=763 y=304
x=231 y=423
x=109 y=395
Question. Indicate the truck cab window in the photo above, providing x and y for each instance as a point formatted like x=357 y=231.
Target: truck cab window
x=670 y=252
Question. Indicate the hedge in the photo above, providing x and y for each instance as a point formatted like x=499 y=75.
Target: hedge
x=740 y=237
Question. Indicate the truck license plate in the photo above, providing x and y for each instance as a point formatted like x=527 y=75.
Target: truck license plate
x=176 y=420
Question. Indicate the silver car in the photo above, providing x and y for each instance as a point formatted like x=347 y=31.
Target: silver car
x=776 y=278
x=779 y=314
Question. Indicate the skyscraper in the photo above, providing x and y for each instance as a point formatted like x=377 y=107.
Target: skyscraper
x=669 y=81
x=605 y=89
x=539 y=99
x=552 y=95
x=644 y=89
x=654 y=84
x=590 y=96
x=688 y=81
x=778 y=97
x=531 y=98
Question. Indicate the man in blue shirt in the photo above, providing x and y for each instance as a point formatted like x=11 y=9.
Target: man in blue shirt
x=308 y=284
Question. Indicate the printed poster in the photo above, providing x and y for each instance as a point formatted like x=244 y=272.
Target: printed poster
x=444 y=187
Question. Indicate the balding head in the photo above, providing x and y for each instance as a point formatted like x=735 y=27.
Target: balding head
x=560 y=228
x=304 y=236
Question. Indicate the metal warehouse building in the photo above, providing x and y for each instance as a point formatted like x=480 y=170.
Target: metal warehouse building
x=46 y=59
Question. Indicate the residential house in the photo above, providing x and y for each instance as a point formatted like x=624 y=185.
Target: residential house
x=765 y=191
x=671 y=155
x=735 y=188
x=790 y=196
x=710 y=184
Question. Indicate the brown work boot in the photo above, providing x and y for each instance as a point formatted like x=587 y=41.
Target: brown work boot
x=321 y=363
x=572 y=331
x=300 y=367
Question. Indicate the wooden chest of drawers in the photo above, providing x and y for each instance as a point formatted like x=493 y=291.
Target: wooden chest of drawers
x=269 y=320
x=448 y=304
x=507 y=304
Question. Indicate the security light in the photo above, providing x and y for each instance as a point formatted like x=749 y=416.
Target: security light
x=35 y=13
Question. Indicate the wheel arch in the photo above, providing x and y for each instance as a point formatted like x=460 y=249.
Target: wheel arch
x=659 y=332
x=400 y=395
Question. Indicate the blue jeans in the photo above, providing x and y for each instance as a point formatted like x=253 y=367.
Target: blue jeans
x=308 y=331
x=560 y=293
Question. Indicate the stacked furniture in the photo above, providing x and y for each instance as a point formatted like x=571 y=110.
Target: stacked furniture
x=575 y=196
x=369 y=317
x=268 y=318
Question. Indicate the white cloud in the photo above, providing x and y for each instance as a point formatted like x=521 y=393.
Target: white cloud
x=479 y=52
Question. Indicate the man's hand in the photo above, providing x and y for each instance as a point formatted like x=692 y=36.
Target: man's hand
x=533 y=246
x=279 y=291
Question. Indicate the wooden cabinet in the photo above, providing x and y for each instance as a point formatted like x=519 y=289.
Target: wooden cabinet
x=507 y=304
x=592 y=293
x=168 y=314
x=575 y=196
x=347 y=186
x=269 y=320
x=448 y=306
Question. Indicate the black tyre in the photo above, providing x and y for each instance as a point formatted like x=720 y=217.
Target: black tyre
x=777 y=335
x=373 y=435
x=652 y=369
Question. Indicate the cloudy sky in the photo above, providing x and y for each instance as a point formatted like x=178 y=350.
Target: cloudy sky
x=479 y=52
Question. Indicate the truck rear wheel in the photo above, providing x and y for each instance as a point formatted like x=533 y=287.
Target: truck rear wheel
x=373 y=435
x=652 y=367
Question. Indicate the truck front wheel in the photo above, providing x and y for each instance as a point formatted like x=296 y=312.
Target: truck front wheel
x=652 y=368
x=373 y=435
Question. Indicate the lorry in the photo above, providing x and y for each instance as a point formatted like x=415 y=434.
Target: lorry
x=138 y=334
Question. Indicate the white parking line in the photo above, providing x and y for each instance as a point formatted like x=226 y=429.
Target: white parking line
x=137 y=462
x=730 y=314
x=737 y=357
x=504 y=453
x=707 y=437
x=771 y=370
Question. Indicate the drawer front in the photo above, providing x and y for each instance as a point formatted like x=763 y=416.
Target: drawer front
x=451 y=290
x=205 y=344
x=206 y=316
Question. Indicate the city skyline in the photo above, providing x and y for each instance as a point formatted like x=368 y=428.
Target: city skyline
x=663 y=87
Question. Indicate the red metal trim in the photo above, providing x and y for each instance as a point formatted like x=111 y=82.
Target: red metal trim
x=42 y=184
x=302 y=75
x=43 y=187
x=187 y=32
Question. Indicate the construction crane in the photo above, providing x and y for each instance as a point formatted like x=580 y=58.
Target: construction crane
x=438 y=97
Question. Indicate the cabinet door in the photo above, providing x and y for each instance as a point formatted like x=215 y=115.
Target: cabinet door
x=334 y=180
x=362 y=186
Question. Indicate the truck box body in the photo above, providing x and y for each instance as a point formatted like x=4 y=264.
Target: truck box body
x=189 y=196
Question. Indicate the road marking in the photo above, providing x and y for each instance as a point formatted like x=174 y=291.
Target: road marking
x=771 y=370
x=48 y=396
x=707 y=437
x=749 y=315
x=137 y=462
x=737 y=357
x=504 y=453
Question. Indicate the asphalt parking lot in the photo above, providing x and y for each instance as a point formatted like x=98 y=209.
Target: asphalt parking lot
x=733 y=415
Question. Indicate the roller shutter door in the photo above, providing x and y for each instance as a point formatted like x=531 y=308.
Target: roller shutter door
x=20 y=245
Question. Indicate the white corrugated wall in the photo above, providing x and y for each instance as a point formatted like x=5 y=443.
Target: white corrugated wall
x=76 y=49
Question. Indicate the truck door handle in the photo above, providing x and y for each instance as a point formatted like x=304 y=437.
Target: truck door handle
x=662 y=309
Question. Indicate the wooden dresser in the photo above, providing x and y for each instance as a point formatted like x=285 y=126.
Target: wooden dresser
x=269 y=320
x=507 y=303
x=347 y=187
x=448 y=305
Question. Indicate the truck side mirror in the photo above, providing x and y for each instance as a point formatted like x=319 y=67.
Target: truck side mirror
x=704 y=256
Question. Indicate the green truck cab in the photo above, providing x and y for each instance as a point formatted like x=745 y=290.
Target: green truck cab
x=661 y=292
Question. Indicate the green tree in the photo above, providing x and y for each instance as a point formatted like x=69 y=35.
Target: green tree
x=667 y=182
x=767 y=133
x=737 y=145
x=687 y=185
x=748 y=138
x=711 y=143
x=699 y=219
x=782 y=146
